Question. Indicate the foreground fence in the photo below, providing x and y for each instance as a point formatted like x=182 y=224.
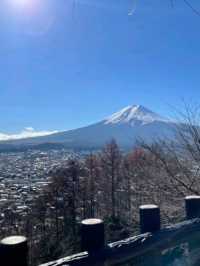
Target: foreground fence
x=14 y=249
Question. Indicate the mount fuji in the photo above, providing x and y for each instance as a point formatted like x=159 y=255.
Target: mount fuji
x=125 y=126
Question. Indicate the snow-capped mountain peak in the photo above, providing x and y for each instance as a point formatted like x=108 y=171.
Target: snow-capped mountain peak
x=134 y=115
x=126 y=126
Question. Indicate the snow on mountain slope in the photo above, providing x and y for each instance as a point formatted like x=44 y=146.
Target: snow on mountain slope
x=135 y=114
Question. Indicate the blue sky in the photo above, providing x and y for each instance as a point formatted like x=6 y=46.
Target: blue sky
x=68 y=63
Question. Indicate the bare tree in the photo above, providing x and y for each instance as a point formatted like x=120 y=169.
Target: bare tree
x=110 y=163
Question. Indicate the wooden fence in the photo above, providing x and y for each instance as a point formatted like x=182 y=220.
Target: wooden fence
x=14 y=249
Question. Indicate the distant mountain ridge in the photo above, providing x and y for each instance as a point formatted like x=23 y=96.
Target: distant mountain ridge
x=126 y=126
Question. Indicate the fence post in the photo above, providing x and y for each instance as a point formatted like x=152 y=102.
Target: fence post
x=14 y=251
x=192 y=206
x=149 y=218
x=92 y=235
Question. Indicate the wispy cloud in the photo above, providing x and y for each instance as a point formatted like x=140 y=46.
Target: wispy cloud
x=133 y=8
x=27 y=132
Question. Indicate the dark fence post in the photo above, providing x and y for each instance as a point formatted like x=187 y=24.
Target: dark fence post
x=149 y=218
x=92 y=235
x=14 y=251
x=192 y=206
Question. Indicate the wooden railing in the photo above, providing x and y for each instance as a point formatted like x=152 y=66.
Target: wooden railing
x=14 y=249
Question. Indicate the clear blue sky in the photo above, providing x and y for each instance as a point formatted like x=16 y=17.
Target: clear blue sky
x=67 y=63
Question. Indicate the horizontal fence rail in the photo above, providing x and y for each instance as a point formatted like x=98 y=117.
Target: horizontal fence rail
x=14 y=249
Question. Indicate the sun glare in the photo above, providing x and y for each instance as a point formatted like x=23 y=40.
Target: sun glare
x=21 y=2
x=27 y=8
x=36 y=16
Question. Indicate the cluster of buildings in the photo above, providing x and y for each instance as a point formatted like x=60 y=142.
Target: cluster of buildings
x=23 y=176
